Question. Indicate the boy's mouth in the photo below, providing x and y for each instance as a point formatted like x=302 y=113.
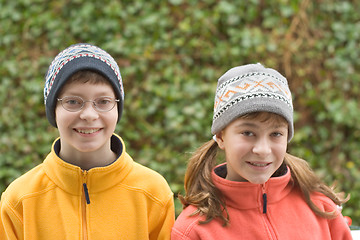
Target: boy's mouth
x=87 y=131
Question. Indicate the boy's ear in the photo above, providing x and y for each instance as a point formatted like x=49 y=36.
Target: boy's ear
x=219 y=140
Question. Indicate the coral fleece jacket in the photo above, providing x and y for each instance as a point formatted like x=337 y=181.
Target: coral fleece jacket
x=286 y=217
x=57 y=200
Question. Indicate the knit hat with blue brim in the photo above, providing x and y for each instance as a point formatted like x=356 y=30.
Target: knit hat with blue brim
x=251 y=88
x=78 y=57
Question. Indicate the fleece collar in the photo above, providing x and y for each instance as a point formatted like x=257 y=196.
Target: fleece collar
x=70 y=178
x=246 y=195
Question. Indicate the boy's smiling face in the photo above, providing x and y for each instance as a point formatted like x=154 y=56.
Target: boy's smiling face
x=86 y=131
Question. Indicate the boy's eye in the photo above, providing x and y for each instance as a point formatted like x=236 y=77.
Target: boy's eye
x=73 y=101
x=103 y=101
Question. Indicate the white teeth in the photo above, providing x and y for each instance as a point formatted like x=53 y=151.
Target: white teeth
x=259 y=164
x=87 y=131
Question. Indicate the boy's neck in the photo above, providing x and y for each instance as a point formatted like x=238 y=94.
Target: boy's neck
x=88 y=160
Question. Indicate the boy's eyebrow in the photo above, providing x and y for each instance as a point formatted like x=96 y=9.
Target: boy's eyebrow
x=81 y=93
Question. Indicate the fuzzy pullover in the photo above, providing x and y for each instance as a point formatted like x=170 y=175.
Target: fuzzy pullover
x=57 y=200
x=282 y=215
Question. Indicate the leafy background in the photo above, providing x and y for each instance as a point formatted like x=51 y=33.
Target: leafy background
x=170 y=54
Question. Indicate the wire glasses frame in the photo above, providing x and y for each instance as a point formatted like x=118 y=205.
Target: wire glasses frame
x=76 y=103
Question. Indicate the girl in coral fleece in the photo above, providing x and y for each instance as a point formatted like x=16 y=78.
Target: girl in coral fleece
x=260 y=192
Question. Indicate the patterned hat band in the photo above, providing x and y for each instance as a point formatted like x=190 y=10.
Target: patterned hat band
x=251 y=88
x=77 y=51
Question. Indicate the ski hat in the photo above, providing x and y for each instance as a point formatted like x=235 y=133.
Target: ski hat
x=78 y=57
x=251 y=88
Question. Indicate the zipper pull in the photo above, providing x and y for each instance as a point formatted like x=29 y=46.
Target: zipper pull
x=264 y=202
x=264 y=196
x=86 y=192
x=87 y=197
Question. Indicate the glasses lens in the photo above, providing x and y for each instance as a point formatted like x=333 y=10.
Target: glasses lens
x=104 y=104
x=72 y=104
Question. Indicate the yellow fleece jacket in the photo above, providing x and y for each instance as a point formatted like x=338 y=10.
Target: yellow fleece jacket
x=57 y=200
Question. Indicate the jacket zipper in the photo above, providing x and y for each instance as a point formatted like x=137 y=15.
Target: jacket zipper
x=85 y=199
x=265 y=212
x=264 y=198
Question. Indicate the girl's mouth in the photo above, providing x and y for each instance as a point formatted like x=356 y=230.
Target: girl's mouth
x=256 y=164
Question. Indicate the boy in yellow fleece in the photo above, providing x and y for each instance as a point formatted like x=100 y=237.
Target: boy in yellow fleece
x=88 y=187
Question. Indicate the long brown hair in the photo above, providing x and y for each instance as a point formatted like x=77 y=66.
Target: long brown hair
x=201 y=192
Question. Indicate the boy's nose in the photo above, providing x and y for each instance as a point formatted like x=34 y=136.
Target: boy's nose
x=262 y=147
x=88 y=112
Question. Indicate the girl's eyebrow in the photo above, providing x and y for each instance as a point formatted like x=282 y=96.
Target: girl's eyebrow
x=246 y=124
x=254 y=125
x=280 y=125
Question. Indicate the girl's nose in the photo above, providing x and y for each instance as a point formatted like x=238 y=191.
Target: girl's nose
x=262 y=146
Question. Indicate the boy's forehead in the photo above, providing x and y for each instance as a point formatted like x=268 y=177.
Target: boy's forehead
x=88 y=75
x=87 y=88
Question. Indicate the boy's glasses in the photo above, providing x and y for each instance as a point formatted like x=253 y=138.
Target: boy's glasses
x=75 y=103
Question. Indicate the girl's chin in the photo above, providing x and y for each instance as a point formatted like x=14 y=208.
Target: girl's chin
x=259 y=180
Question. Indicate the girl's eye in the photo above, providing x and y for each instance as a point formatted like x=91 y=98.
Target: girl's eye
x=276 y=134
x=247 y=134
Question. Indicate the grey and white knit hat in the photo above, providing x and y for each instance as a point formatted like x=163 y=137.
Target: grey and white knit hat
x=251 y=88
x=78 y=57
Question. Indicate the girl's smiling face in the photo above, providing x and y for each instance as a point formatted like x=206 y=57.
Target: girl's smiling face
x=254 y=146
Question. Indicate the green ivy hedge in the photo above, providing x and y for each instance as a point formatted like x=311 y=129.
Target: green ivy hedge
x=170 y=54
